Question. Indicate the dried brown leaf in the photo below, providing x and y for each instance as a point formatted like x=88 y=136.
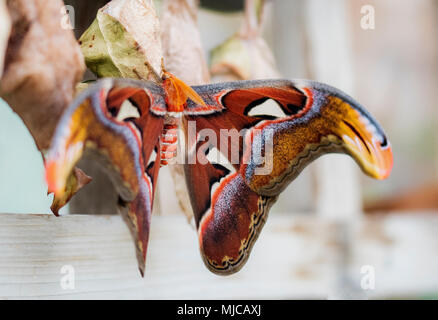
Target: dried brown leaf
x=5 y=29
x=75 y=182
x=42 y=66
x=245 y=55
x=182 y=48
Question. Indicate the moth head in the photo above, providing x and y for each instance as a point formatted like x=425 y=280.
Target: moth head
x=66 y=150
x=166 y=75
x=361 y=135
x=59 y=167
x=371 y=150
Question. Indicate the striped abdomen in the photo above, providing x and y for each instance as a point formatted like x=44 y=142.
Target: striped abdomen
x=169 y=143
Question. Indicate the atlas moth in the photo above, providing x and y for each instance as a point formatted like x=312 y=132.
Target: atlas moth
x=230 y=202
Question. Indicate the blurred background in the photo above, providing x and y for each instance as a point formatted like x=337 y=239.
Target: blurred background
x=385 y=54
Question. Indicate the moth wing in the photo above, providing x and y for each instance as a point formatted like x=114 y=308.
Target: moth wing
x=125 y=148
x=230 y=205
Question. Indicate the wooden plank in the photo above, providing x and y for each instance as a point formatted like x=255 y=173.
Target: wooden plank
x=330 y=57
x=295 y=257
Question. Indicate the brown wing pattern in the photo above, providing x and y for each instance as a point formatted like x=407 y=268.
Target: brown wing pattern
x=230 y=206
x=123 y=147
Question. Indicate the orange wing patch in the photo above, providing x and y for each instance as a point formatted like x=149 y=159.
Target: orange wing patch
x=177 y=93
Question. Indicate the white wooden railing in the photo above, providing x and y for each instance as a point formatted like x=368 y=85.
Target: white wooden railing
x=296 y=256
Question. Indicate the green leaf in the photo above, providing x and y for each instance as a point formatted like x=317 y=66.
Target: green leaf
x=121 y=42
x=95 y=51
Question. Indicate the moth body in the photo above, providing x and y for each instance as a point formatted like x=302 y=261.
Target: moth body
x=176 y=95
x=169 y=143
